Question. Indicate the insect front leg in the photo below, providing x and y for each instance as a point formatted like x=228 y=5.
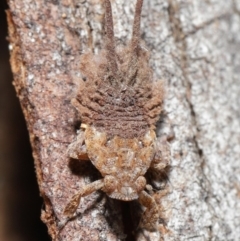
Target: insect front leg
x=162 y=156
x=72 y=206
x=77 y=149
x=150 y=216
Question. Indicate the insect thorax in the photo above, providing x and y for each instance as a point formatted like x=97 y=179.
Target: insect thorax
x=122 y=158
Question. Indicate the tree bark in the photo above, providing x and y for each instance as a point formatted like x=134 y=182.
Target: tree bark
x=194 y=48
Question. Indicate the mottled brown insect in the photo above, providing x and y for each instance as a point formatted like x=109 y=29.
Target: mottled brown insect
x=119 y=104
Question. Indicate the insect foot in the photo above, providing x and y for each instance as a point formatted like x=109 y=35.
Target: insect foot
x=119 y=105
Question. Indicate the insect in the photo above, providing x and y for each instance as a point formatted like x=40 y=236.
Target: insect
x=119 y=105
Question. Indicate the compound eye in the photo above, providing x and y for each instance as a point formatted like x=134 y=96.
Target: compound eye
x=140 y=183
x=110 y=183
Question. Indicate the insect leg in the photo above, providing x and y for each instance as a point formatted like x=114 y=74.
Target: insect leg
x=162 y=156
x=77 y=149
x=74 y=202
x=150 y=217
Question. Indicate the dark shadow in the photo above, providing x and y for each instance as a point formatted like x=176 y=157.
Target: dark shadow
x=84 y=169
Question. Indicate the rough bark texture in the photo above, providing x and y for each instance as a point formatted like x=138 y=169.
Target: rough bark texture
x=194 y=48
x=20 y=202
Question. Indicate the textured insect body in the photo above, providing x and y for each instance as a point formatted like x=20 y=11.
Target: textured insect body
x=119 y=104
x=122 y=162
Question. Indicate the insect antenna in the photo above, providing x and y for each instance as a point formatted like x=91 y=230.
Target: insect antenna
x=136 y=27
x=132 y=67
x=110 y=43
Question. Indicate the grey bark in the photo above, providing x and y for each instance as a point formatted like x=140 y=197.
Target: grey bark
x=194 y=48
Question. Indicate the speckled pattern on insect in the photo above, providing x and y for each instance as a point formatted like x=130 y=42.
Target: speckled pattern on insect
x=119 y=104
